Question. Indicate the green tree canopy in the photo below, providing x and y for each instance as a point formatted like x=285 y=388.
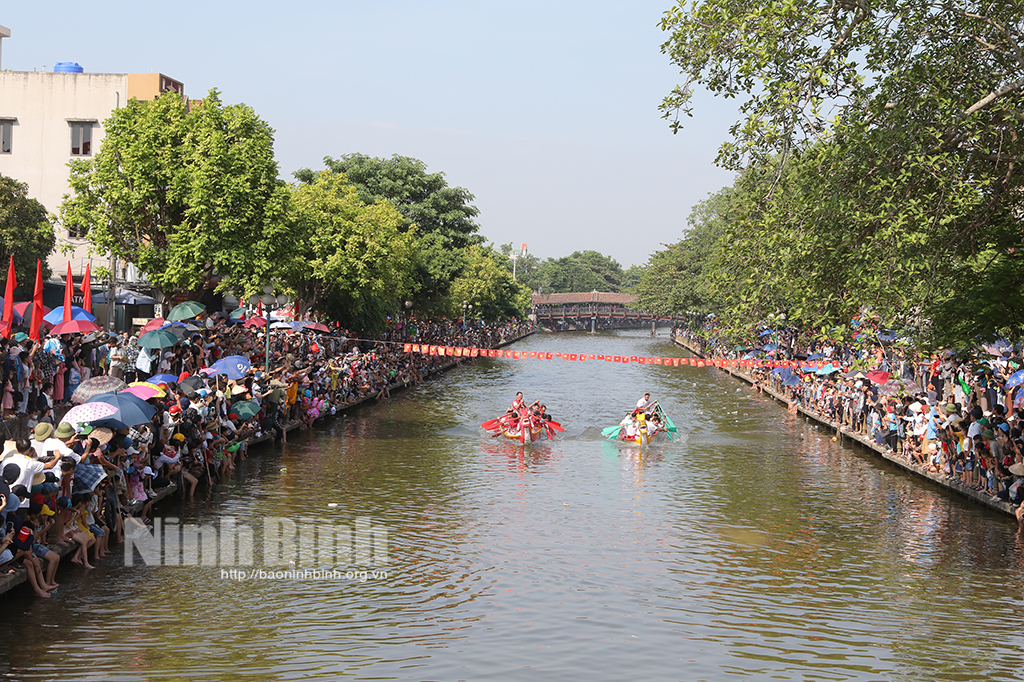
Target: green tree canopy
x=348 y=259
x=485 y=283
x=578 y=272
x=26 y=230
x=880 y=146
x=185 y=191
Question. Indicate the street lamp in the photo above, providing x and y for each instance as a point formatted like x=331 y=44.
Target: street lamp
x=269 y=300
x=408 y=306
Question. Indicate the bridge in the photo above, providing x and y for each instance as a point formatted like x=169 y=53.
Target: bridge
x=591 y=311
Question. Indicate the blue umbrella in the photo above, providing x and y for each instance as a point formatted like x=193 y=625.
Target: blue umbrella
x=769 y=347
x=131 y=410
x=1016 y=379
x=816 y=356
x=766 y=332
x=163 y=379
x=56 y=316
x=827 y=369
x=791 y=381
x=234 y=366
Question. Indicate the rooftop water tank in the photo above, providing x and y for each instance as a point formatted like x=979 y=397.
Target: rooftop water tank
x=68 y=67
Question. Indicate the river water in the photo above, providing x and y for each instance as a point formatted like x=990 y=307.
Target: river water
x=751 y=546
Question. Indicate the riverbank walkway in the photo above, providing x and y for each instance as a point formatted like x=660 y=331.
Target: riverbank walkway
x=862 y=440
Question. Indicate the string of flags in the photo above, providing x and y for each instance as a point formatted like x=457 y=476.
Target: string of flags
x=459 y=352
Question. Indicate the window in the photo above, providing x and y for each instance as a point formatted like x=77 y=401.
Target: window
x=81 y=139
x=6 y=129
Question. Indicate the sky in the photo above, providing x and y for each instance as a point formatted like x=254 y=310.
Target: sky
x=546 y=111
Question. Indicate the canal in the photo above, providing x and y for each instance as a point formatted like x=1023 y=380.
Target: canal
x=751 y=546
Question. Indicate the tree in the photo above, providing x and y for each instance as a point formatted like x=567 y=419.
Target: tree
x=631 y=277
x=580 y=271
x=185 y=191
x=884 y=141
x=487 y=285
x=424 y=199
x=526 y=266
x=26 y=230
x=350 y=260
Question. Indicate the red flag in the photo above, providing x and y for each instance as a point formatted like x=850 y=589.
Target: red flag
x=87 y=289
x=642 y=361
x=609 y=358
x=533 y=354
x=408 y=348
x=657 y=361
x=69 y=291
x=508 y=354
x=475 y=352
x=675 y=362
x=37 y=303
x=592 y=356
x=9 y=300
x=583 y=357
x=415 y=348
x=549 y=356
x=572 y=356
x=515 y=355
x=558 y=355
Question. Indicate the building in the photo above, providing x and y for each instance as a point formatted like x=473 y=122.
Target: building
x=50 y=118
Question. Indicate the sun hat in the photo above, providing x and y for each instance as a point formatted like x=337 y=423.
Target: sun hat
x=64 y=431
x=42 y=431
x=102 y=434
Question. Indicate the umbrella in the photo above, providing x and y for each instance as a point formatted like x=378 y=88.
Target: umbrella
x=185 y=311
x=827 y=369
x=234 y=366
x=158 y=338
x=281 y=325
x=816 y=356
x=1016 y=379
x=163 y=379
x=16 y=317
x=179 y=330
x=246 y=409
x=791 y=380
x=766 y=332
x=75 y=327
x=769 y=347
x=56 y=316
x=191 y=384
x=87 y=412
x=160 y=393
x=155 y=323
x=95 y=386
x=143 y=392
x=87 y=477
x=237 y=314
x=25 y=310
x=316 y=327
x=131 y=410
x=878 y=376
x=255 y=322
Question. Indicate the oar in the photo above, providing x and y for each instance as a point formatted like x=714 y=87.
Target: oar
x=491 y=424
x=555 y=425
x=612 y=432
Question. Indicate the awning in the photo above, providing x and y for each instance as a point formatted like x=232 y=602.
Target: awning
x=125 y=297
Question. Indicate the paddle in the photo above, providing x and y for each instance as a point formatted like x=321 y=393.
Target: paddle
x=491 y=424
x=555 y=425
x=612 y=432
x=669 y=426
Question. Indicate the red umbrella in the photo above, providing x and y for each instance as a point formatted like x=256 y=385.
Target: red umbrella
x=878 y=376
x=25 y=309
x=155 y=323
x=255 y=322
x=75 y=327
x=316 y=327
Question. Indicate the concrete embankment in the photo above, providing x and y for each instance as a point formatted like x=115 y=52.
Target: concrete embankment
x=865 y=442
x=19 y=576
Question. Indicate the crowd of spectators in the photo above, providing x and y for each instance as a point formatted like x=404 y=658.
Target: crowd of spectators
x=79 y=483
x=954 y=415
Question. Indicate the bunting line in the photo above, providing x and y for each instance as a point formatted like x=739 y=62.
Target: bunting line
x=459 y=352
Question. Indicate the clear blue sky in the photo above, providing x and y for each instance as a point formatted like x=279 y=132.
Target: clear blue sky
x=546 y=111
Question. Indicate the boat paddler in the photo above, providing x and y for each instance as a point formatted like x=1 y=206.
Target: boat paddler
x=645 y=403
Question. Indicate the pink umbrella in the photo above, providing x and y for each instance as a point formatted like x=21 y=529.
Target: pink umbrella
x=75 y=327
x=155 y=323
x=316 y=327
x=143 y=392
x=83 y=414
x=878 y=376
x=255 y=322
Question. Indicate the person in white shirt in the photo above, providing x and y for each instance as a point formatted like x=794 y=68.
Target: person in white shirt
x=645 y=403
x=28 y=466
